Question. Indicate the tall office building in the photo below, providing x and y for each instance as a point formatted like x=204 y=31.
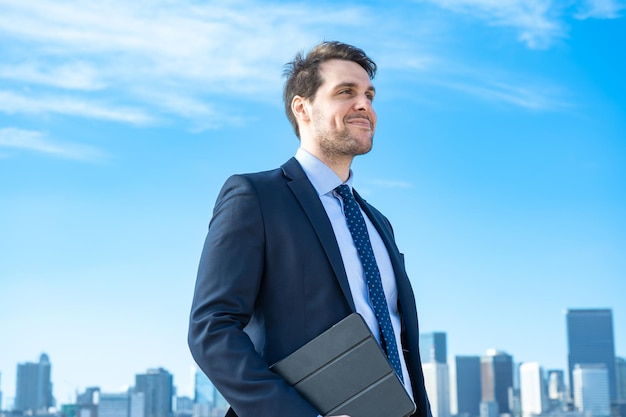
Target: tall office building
x=207 y=398
x=620 y=372
x=137 y=404
x=489 y=409
x=496 y=375
x=157 y=387
x=590 y=341
x=204 y=391
x=557 y=391
x=90 y=396
x=465 y=386
x=591 y=390
x=433 y=347
x=34 y=386
x=437 y=382
x=87 y=402
x=515 y=402
x=184 y=407
x=532 y=389
x=114 y=405
x=556 y=384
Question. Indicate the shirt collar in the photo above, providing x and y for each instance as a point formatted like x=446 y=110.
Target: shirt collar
x=323 y=178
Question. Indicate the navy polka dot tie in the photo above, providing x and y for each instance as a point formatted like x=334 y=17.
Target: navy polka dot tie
x=361 y=238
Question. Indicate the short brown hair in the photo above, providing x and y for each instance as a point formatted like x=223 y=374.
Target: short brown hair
x=303 y=75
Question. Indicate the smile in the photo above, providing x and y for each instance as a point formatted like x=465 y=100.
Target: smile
x=360 y=122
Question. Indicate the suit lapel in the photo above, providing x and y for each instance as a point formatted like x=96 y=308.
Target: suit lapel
x=384 y=230
x=309 y=201
x=405 y=293
x=406 y=297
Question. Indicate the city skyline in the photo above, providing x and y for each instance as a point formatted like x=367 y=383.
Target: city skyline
x=499 y=159
x=436 y=339
x=452 y=389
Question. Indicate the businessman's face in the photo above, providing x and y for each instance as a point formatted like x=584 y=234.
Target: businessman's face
x=342 y=117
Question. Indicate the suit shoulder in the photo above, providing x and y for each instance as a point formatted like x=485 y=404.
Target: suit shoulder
x=263 y=185
x=254 y=179
x=289 y=170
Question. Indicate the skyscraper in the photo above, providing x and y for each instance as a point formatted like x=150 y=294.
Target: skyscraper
x=114 y=405
x=436 y=379
x=208 y=400
x=184 y=407
x=433 y=347
x=590 y=341
x=137 y=404
x=157 y=387
x=34 y=387
x=489 y=409
x=465 y=386
x=620 y=371
x=556 y=388
x=496 y=375
x=532 y=389
x=591 y=390
x=89 y=397
x=88 y=402
x=556 y=384
x=204 y=391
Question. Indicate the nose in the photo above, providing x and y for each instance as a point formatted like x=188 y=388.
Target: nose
x=363 y=103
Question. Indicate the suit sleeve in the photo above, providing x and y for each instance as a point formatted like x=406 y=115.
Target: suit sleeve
x=230 y=276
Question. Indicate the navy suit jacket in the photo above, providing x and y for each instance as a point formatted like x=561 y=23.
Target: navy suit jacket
x=270 y=279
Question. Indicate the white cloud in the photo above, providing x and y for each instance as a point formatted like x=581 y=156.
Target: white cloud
x=179 y=59
x=11 y=102
x=538 y=22
x=525 y=96
x=601 y=9
x=71 y=75
x=534 y=20
x=202 y=114
x=492 y=83
x=188 y=52
x=34 y=141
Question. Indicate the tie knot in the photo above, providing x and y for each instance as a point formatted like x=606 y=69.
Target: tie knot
x=344 y=191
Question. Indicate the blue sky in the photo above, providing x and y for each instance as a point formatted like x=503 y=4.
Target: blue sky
x=500 y=159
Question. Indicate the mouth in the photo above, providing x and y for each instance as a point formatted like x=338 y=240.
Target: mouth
x=359 y=121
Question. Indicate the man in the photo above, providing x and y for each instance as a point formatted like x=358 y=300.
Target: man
x=280 y=266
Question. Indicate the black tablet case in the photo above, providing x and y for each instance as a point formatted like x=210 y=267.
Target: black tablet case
x=344 y=371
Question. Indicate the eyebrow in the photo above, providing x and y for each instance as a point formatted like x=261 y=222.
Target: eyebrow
x=353 y=85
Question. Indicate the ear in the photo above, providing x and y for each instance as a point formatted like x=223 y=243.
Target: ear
x=300 y=109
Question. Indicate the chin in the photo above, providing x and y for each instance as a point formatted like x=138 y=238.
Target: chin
x=365 y=148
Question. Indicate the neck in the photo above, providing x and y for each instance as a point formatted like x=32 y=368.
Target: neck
x=340 y=164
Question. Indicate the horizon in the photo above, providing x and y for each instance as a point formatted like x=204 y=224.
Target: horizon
x=192 y=370
x=499 y=159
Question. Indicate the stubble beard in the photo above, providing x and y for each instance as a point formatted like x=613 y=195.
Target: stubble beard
x=341 y=144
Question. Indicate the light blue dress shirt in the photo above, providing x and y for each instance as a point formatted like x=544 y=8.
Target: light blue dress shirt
x=325 y=181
